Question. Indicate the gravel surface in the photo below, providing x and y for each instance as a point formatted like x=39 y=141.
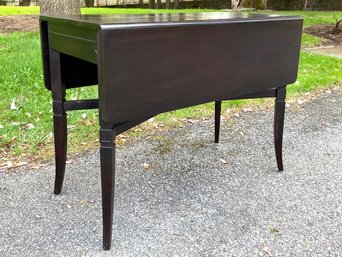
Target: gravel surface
x=188 y=202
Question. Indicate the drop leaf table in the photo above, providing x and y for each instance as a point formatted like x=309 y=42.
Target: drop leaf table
x=149 y=64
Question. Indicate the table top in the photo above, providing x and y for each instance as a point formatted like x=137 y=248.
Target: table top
x=127 y=20
x=153 y=63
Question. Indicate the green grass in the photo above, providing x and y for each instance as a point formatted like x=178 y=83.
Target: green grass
x=21 y=83
x=314 y=17
x=15 y=10
x=310 y=41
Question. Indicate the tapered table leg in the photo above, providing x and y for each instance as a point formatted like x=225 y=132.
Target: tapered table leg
x=107 y=156
x=59 y=118
x=279 y=115
x=217 y=120
x=60 y=133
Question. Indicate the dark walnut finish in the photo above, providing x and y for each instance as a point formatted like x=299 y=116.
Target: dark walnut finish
x=148 y=64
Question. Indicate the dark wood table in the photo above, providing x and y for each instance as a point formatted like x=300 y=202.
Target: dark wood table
x=149 y=64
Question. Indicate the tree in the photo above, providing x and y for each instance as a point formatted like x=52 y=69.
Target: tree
x=89 y=3
x=256 y=4
x=303 y=4
x=158 y=6
x=151 y=4
x=167 y=4
x=60 y=7
x=336 y=28
x=24 y=2
x=236 y=4
x=176 y=4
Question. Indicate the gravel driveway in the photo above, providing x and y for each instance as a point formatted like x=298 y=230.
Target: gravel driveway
x=188 y=202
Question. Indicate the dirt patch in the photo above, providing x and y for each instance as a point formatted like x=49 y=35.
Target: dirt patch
x=326 y=33
x=21 y=23
x=335 y=51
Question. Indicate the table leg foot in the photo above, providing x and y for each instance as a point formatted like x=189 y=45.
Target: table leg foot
x=217 y=120
x=60 y=133
x=107 y=156
x=279 y=115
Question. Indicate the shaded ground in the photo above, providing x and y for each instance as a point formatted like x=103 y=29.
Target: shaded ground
x=325 y=32
x=193 y=198
x=20 y=23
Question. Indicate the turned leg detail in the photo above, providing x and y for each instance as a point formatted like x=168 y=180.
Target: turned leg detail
x=217 y=120
x=279 y=114
x=107 y=156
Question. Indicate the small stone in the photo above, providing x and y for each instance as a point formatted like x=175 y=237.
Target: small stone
x=13 y=106
x=19 y=164
x=30 y=126
x=83 y=202
x=38 y=216
x=223 y=161
x=146 y=166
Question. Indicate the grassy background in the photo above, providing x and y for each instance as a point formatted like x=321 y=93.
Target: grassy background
x=27 y=128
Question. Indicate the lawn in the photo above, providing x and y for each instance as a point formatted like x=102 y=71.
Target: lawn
x=25 y=117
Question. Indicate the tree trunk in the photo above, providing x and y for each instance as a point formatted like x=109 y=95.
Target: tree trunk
x=141 y=2
x=176 y=4
x=235 y=3
x=158 y=6
x=263 y=4
x=24 y=2
x=151 y=4
x=89 y=3
x=256 y=4
x=60 y=7
x=303 y=4
x=167 y=4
